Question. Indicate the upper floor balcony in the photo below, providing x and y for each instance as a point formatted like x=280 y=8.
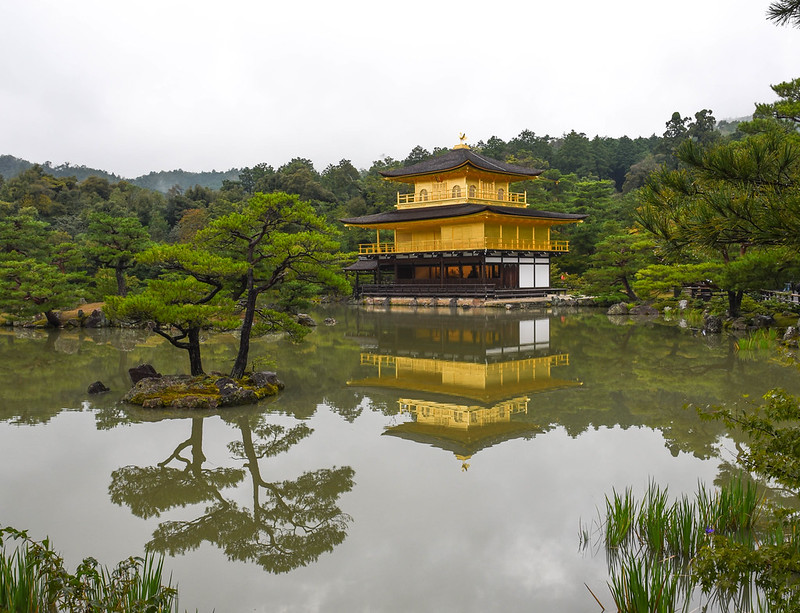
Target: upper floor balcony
x=457 y=195
x=467 y=244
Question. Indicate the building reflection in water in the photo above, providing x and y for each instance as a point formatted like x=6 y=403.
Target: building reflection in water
x=466 y=381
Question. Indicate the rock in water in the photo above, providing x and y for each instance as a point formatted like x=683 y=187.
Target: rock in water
x=97 y=388
x=266 y=377
x=143 y=371
x=618 y=309
x=712 y=324
x=304 y=319
x=763 y=321
x=97 y=319
x=643 y=310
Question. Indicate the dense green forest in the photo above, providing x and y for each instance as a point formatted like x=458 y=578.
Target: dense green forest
x=65 y=207
x=604 y=157
x=81 y=230
x=599 y=176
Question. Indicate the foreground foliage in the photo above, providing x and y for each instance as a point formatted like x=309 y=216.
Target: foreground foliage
x=735 y=547
x=33 y=578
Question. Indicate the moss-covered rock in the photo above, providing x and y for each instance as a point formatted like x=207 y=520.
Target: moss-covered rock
x=203 y=392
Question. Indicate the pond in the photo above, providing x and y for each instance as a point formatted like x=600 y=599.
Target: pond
x=417 y=459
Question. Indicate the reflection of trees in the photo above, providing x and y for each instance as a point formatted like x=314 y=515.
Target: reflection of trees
x=291 y=522
x=647 y=374
x=151 y=490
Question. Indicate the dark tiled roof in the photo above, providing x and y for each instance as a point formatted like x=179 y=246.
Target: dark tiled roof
x=456 y=210
x=361 y=265
x=458 y=157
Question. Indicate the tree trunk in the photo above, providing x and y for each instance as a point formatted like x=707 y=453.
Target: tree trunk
x=628 y=289
x=240 y=365
x=195 y=362
x=122 y=287
x=735 y=302
x=198 y=457
x=252 y=464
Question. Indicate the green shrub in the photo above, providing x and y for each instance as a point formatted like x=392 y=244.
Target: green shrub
x=33 y=578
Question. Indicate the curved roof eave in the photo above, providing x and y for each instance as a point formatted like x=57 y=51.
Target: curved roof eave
x=456 y=210
x=456 y=158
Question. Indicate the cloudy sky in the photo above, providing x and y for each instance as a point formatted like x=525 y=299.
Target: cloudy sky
x=131 y=87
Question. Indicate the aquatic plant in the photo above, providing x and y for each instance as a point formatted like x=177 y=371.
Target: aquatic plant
x=33 y=578
x=653 y=546
x=620 y=514
x=653 y=519
x=644 y=584
x=682 y=530
x=22 y=586
x=761 y=340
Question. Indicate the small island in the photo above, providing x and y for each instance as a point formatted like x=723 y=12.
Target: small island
x=202 y=392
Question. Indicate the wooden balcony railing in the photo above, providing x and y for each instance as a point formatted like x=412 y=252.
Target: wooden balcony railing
x=406 y=201
x=478 y=244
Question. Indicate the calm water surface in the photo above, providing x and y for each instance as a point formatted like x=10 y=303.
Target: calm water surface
x=418 y=460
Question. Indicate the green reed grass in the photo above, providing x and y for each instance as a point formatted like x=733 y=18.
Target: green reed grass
x=33 y=579
x=620 y=519
x=651 y=544
x=683 y=530
x=22 y=586
x=733 y=508
x=134 y=585
x=644 y=584
x=653 y=519
x=760 y=340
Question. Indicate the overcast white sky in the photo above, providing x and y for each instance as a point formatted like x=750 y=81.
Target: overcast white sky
x=131 y=87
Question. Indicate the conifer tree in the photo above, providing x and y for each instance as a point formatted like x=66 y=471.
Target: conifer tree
x=113 y=242
x=281 y=243
x=185 y=300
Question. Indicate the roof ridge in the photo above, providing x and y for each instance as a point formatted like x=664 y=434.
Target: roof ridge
x=489 y=161
x=454 y=159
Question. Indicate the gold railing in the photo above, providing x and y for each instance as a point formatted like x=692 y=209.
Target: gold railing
x=462 y=245
x=376 y=359
x=462 y=416
x=506 y=198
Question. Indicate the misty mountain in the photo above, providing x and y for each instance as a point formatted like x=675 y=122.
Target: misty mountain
x=161 y=181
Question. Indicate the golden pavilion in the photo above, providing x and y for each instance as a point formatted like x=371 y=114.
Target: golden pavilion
x=461 y=232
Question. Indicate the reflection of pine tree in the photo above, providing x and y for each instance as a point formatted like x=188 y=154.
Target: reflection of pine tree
x=291 y=524
x=151 y=490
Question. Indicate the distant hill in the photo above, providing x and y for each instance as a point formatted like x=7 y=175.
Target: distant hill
x=728 y=126
x=161 y=181
x=11 y=166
